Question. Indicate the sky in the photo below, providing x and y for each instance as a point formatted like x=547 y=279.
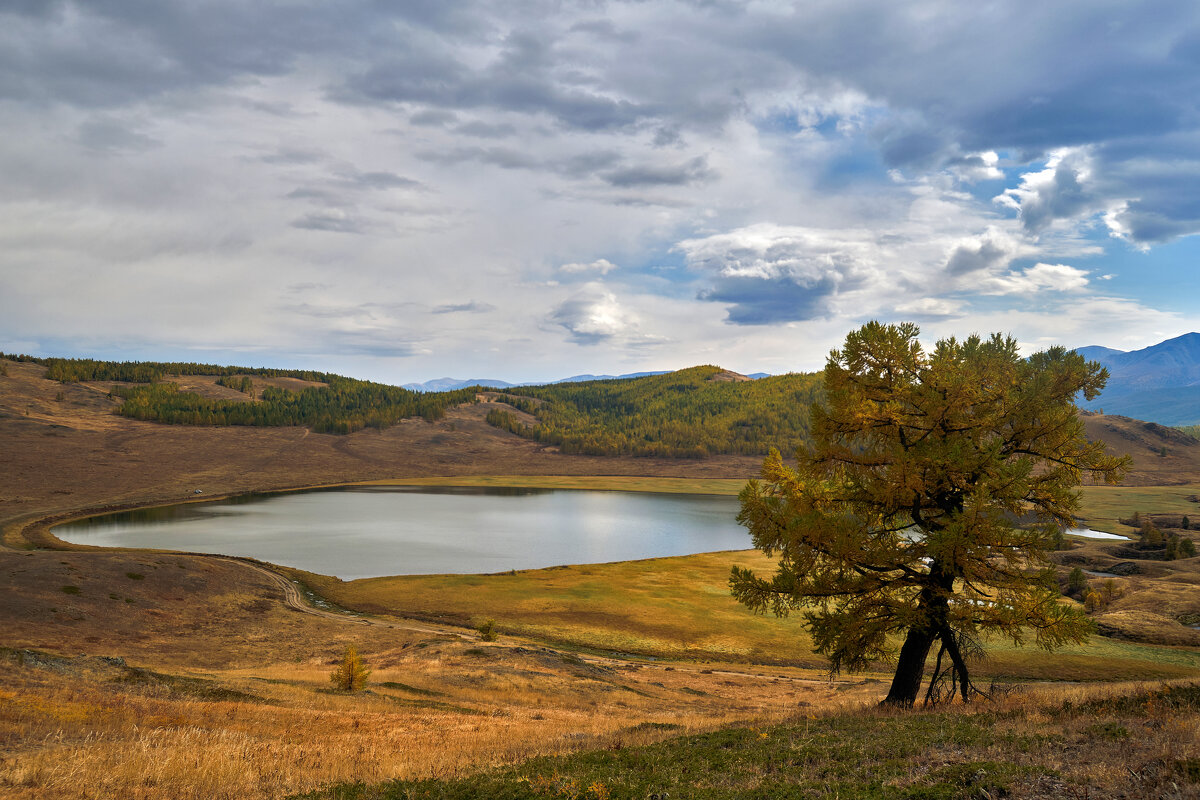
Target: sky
x=528 y=190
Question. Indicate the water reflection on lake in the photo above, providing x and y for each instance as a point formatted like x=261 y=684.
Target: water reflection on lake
x=372 y=531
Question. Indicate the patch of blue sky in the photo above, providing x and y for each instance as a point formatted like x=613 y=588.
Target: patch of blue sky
x=779 y=122
x=858 y=164
x=1161 y=277
x=661 y=271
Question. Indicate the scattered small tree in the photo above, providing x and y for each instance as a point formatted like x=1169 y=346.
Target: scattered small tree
x=1185 y=523
x=899 y=519
x=1109 y=591
x=351 y=674
x=1172 y=551
x=1187 y=548
x=487 y=630
x=1077 y=585
x=1150 y=535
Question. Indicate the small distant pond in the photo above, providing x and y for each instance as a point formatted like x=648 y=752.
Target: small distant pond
x=363 y=532
x=1088 y=533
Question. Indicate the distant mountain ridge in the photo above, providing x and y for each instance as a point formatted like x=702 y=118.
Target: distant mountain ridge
x=1160 y=383
x=449 y=384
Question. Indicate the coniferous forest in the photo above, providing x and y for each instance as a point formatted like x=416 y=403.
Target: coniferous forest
x=684 y=414
x=691 y=413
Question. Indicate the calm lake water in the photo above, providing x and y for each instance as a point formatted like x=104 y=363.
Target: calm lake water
x=368 y=532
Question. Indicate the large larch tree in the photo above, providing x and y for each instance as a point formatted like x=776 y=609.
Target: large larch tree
x=936 y=485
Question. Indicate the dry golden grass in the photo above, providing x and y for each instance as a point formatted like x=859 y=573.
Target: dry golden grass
x=438 y=709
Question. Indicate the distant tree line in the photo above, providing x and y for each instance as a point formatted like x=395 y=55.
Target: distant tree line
x=684 y=414
x=77 y=370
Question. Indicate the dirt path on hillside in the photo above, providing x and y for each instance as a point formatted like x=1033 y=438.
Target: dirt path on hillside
x=294 y=599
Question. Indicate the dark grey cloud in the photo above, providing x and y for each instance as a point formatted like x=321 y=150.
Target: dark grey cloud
x=374 y=343
x=108 y=136
x=379 y=180
x=694 y=171
x=604 y=29
x=525 y=77
x=769 y=301
x=326 y=196
x=503 y=157
x=471 y=307
x=334 y=221
x=983 y=253
x=293 y=156
x=579 y=166
x=770 y=274
x=433 y=118
x=1065 y=189
x=484 y=130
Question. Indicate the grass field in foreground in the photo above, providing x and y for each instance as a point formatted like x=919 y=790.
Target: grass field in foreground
x=681 y=608
x=1139 y=744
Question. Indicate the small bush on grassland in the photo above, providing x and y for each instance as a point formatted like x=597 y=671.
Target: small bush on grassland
x=487 y=631
x=351 y=674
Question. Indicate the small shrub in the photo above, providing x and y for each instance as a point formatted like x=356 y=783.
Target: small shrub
x=70 y=590
x=1187 y=548
x=135 y=576
x=351 y=675
x=1112 y=731
x=487 y=631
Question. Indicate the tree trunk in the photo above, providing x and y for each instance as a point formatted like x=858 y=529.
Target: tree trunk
x=910 y=668
x=960 y=664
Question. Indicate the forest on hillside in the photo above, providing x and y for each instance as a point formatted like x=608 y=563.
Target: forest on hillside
x=342 y=405
x=691 y=413
x=686 y=414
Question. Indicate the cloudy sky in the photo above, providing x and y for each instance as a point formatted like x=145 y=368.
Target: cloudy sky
x=527 y=190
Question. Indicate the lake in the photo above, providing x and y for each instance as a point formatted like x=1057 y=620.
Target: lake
x=363 y=532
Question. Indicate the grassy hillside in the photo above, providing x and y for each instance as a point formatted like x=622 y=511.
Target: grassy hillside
x=681 y=608
x=691 y=413
x=335 y=405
